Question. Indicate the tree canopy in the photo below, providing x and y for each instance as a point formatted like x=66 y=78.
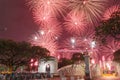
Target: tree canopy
x=117 y=56
x=64 y=62
x=109 y=28
x=14 y=54
x=77 y=57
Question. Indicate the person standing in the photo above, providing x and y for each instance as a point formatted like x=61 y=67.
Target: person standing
x=48 y=70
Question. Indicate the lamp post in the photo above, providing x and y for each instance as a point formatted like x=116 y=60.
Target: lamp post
x=87 y=68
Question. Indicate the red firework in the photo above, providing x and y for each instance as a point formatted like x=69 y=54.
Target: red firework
x=52 y=31
x=82 y=14
x=110 y=11
x=46 y=42
x=42 y=18
x=75 y=23
x=93 y=9
x=43 y=10
x=109 y=49
x=89 y=32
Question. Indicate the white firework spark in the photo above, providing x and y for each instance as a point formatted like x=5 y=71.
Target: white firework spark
x=71 y=43
x=79 y=43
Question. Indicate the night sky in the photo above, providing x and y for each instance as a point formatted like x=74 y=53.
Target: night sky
x=16 y=21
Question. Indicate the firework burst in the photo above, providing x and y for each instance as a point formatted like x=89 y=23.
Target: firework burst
x=46 y=42
x=75 y=23
x=93 y=9
x=42 y=18
x=52 y=31
x=78 y=44
x=82 y=14
x=110 y=11
x=45 y=9
x=109 y=49
x=71 y=43
x=83 y=41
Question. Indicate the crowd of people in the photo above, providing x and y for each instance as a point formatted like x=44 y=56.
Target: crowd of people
x=23 y=76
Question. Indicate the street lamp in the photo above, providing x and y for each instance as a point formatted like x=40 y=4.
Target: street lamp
x=87 y=68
